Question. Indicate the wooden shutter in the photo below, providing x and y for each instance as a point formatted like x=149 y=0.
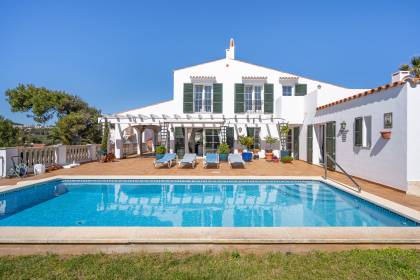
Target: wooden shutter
x=296 y=132
x=309 y=144
x=330 y=144
x=239 y=98
x=358 y=132
x=301 y=89
x=218 y=98
x=268 y=98
x=188 y=98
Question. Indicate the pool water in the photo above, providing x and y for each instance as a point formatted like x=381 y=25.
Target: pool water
x=191 y=203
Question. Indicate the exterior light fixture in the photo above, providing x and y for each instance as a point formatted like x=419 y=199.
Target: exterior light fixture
x=343 y=125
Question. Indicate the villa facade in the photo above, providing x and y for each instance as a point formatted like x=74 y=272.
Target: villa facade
x=372 y=134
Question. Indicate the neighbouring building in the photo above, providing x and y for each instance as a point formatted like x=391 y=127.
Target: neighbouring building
x=371 y=133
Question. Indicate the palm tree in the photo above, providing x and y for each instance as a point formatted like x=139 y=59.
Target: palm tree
x=414 y=68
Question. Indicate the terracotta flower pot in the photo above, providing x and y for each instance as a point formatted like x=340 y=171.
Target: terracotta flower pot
x=386 y=134
x=269 y=156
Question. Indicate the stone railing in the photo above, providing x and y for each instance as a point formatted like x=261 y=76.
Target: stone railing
x=77 y=153
x=48 y=155
x=31 y=156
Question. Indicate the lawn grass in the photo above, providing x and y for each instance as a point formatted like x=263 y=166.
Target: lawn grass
x=355 y=264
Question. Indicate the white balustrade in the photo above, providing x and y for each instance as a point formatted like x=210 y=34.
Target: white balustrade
x=43 y=155
x=48 y=155
x=77 y=153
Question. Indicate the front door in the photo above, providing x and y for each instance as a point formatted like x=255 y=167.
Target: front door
x=296 y=131
x=330 y=144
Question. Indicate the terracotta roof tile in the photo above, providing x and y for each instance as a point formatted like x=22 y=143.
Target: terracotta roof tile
x=365 y=93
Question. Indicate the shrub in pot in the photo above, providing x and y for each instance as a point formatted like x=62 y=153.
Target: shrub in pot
x=247 y=141
x=269 y=152
x=286 y=159
x=160 y=152
x=223 y=151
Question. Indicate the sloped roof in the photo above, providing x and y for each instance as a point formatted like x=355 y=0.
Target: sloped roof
x=366 y=93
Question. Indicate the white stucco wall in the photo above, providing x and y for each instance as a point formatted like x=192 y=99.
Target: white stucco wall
x=229 y=72
x=385 y=161
x=413 y=132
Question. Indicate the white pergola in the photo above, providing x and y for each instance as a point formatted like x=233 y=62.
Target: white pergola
x=129 y=125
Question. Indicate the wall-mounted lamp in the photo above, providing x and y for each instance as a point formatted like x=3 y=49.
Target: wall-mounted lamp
x=343 y=125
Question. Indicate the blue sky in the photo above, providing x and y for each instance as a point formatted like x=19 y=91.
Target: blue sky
x=119 y=55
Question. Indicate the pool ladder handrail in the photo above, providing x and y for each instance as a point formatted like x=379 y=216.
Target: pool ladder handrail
x=359 y=188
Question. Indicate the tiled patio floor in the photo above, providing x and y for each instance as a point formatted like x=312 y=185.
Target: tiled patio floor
x=144 y=166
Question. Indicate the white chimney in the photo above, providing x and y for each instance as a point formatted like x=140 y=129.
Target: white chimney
x=230 y=53
x=400 y=76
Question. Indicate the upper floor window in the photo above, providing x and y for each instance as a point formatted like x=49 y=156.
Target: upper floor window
x=203 y=98
x=252 y=98
x=287 y=90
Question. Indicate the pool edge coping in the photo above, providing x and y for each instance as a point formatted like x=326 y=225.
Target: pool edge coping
x=220 y=235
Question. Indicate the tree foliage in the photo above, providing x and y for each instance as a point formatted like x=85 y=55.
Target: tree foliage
x=76 y=120
x=9 y=135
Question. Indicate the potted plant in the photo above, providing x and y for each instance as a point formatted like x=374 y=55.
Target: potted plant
x=286 y=159
x=223 y=151
x=386 y=134
x=246 y=141
x=269 y=152
x=160 y=152
x=284 y=131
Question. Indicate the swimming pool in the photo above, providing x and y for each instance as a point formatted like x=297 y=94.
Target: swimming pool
x=191 y=203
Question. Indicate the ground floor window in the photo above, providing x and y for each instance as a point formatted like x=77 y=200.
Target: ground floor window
x=212 y=140
x=363 y=131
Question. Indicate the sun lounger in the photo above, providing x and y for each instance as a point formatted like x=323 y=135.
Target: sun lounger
x=189 y=159
x=167 y=159
x=235 y=160
x=211 y=160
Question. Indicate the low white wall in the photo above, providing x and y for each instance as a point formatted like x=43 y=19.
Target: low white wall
x=385 y=161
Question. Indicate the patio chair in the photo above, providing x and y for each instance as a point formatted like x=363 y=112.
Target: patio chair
x=235 y=160
x=188 y=159
x=18 y=169
x=167 y=159
x=211 y=159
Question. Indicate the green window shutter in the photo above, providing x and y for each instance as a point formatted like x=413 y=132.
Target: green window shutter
x=268 y=98
x=358 y=132
x=188 y=98
x=218 y=98
x=301 y=89
x=239 y=98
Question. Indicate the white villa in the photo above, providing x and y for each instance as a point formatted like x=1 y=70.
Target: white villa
x=373 y=134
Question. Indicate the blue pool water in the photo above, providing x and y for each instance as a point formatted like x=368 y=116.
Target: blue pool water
x=190 y=203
